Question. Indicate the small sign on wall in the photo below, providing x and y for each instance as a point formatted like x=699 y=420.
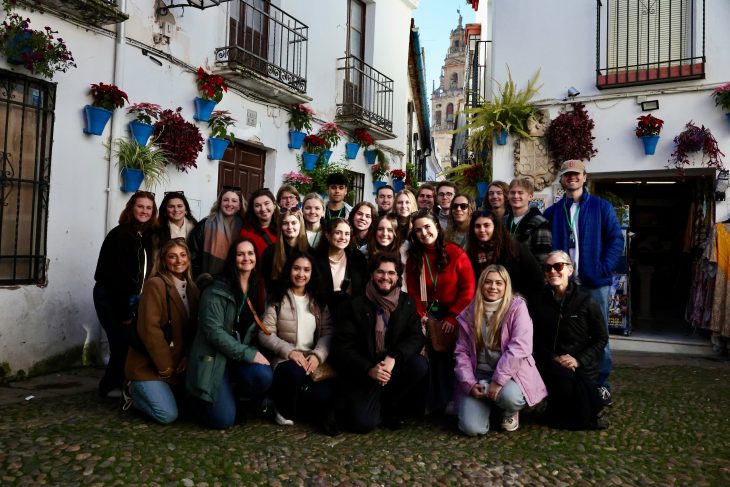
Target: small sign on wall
x=251 y=117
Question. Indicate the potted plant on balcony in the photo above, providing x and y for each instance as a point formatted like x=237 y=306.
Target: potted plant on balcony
x=142 y=126
x=180 y=139
x=507 y=113
x=398 y=176
x=138 y=163
x=379 y=171
x=694 y=139
x=722 y=98
x=314 y=146
x=648 y=130
x=211 y=88
x=105 y=99
x=570 y=135
x=360 y=138
x=38 y=51
x=332 y=135
x=300 y=181
x=220 y=137
x=300 y=119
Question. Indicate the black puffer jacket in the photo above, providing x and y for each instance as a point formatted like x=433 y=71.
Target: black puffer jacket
x=576 y=327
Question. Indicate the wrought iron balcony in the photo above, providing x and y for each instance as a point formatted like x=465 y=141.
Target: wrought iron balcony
x=364 y=98
x=266 y=52
x=641 y=42
x=94 y=12
x=478 y=52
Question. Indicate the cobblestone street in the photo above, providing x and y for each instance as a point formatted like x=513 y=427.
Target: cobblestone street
x=669 y=426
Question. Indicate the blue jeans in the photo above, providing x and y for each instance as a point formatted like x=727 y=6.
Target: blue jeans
x=474 y=413
x=251 y=380
x=154 y=398
x=600 y=295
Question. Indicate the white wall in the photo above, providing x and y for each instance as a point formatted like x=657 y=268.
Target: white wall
x=39 y=323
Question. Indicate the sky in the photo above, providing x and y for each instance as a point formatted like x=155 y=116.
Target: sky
x=435 y=20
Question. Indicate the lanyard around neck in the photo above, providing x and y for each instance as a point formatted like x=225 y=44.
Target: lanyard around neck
x=240 y=308
x=571 y=221
x=329 y=213
x=430 y=274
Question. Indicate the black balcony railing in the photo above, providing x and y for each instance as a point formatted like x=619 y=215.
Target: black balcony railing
x=267 y=41
x=367 y=94
x=641 y=42
x=476 y=71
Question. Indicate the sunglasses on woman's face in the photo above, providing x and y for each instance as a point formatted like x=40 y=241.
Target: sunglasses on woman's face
x=557 y=267
x=460 y=206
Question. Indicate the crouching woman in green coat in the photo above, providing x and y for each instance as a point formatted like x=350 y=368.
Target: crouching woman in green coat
x=224 y=354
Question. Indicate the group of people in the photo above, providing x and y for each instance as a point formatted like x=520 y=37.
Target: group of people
x=355 y=316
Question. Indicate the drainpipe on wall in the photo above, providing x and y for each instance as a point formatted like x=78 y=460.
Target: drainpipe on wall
x=116 y=123
x=489 y=37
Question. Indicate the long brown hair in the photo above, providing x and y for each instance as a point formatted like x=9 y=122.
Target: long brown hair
x=452 y=229
x=417 y=250
x=301 y=244
x=501 y=244
x=373 y=246
x=160 y=269
x=127 y=215
x=494 y=324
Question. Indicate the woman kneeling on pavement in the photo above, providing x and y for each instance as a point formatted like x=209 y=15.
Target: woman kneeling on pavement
x=167 y=313
x=494 y=364
x=569 y=340
x=224 y=350
x=297 y=330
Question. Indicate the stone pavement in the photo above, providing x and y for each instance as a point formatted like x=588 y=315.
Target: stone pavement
x=670 y=425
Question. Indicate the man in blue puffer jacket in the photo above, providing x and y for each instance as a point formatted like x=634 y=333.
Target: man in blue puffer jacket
x=586 y=227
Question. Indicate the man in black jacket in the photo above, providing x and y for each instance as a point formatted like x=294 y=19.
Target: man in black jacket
x=376 y=352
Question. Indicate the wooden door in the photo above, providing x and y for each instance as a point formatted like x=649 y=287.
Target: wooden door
x=242 y=167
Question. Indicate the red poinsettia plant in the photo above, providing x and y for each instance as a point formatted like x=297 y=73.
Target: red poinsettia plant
x=107 y=96
x=300 y=117
x=211 y=86
x=398 y=174
x=648 y=125
x=331 y=133
x=314 y=144
x=179 y=138
x=145 y=112
x=362 y=137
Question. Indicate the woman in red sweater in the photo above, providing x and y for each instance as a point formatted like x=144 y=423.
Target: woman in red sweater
x=449 y=283
x=259 y=224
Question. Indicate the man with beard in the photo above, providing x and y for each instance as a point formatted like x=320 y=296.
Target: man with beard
x=376 y=352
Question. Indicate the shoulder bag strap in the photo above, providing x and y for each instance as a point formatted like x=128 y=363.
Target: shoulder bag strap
x=424 y=294
x=256 y=317
x=167 y=329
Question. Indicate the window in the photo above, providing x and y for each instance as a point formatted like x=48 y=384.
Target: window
x=450 y=112
x=437 y=117
x=26 y=127
x=454 y=80
x=356 y=29
x=357 y=187
x=649 y=41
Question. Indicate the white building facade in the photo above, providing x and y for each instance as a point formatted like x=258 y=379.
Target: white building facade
x=348 y=59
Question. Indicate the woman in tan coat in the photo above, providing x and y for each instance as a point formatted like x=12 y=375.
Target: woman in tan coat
x=299 y=339
x=165 y=326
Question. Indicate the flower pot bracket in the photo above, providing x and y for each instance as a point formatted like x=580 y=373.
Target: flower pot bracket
x=97 y=13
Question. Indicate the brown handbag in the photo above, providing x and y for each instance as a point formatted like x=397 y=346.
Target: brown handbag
x=441 y=341
x=323 y=371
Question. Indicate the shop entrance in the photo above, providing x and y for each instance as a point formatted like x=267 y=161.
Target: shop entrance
x=669 y=220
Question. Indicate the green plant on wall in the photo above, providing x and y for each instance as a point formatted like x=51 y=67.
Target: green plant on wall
x=149 y=159
x=509 y=110
x=320 y=172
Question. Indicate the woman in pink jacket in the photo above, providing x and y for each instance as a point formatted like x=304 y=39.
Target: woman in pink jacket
x=494 y=364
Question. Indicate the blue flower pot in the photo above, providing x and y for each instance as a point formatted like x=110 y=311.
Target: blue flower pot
x=482 y=187
x=141 y=132
x=377 y=185
x=203 y=109
x=650 y=142
x=131 y=179
x=351 y=150
x=296 y=139
x=370 y=156
x=309 y=161
x=96 y=119
x=19 y=41
x=399 y=185
x=217 y=147
x=326 y=156
x=502 y=137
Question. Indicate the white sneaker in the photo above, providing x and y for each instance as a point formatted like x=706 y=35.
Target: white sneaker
x=511 y=423
x=281 y=420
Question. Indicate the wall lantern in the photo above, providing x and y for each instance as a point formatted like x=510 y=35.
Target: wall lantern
x=199 y=4
x=721 y=184
x=649 y=105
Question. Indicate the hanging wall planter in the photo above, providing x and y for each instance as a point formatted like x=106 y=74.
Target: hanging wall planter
x=203 y=109
x=296 y=138
x=398 y=185
x=370 y=156
x=377 y=185
x=351 y=150
x=216 y=148
x=326 y=156
x=482 y=187
x=501 y=137
x=131 y=179
x=309 y=160
x=650 y=142
x=96 y=119
x=141 y=132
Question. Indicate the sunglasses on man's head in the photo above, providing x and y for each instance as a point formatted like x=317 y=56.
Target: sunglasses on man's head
x=557 y=267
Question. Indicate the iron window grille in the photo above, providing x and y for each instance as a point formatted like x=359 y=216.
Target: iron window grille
x=26 y=126
x=477 y=55
x=357 y=187
x=643 y=42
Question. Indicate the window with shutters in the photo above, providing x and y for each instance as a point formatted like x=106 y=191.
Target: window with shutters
x=649 y=41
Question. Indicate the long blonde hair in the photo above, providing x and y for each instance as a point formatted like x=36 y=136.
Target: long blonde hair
x=301 y=244
x=494 y=325
x=160 y=269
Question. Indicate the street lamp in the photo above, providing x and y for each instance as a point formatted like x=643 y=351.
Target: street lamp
x=199 y=4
